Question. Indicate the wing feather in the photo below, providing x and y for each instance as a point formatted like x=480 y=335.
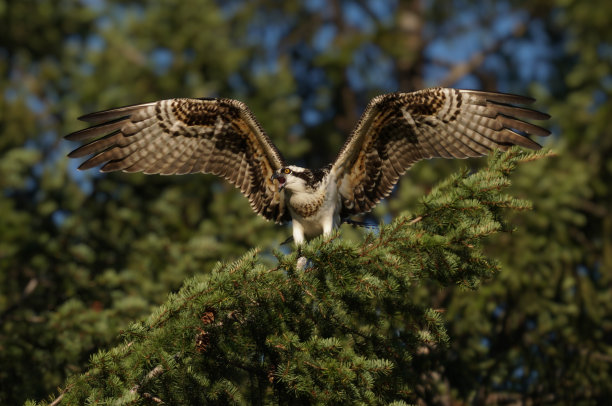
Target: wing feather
x=180 y=136
x=113 y=114
x=399 y=129
x=97 y=130
x=97 y=145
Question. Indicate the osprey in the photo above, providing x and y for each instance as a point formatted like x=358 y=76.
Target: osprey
x=221 y=136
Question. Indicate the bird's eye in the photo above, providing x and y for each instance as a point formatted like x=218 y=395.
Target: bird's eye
x=287 y=171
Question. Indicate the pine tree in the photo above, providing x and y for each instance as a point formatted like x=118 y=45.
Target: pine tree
x=346 y=329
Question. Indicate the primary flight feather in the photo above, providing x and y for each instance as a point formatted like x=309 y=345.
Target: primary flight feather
x=222 y=136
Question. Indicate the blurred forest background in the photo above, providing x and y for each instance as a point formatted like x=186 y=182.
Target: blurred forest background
x=83 y=254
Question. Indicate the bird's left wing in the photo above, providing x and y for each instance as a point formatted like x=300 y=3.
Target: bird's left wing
x=180 y=136
x=398 y=129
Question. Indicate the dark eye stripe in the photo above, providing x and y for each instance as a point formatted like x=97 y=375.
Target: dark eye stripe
x=303 y=175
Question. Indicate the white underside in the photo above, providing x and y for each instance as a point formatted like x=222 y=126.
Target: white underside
x=322 y=222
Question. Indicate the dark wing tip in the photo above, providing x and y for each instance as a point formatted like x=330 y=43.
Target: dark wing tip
x=544 y=132
x=528 y=143
x=515 y=111
x=501 y=97
x=96 y=130
x=537 y=115
x=528 y=128
x=75 y=136
x=112 y=114
x=510 y=116
x=87 y=165
x=96 y=117
x=87 y=117
x=75 y=153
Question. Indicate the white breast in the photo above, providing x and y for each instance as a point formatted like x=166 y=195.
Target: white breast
x=316 y=213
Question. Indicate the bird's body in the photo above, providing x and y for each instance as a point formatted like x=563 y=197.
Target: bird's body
x=221 y=136
x=313 y=203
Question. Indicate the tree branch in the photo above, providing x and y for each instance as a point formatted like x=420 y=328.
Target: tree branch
x=459 y=71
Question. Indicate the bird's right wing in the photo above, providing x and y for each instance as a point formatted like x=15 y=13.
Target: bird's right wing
x=180 y=136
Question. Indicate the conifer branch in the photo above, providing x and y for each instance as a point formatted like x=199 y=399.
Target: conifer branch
x=346 y=327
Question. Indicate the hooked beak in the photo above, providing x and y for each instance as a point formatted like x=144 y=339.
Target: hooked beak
x=281 y=180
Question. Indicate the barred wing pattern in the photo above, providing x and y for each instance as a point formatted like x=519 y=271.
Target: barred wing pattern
x=398 y=129
x=180 y=136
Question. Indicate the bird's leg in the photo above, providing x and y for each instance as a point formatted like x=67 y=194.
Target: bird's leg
x=329 y=224
x=298 y=238
x=298 y=233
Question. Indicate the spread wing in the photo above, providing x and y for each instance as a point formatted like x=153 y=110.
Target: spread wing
x=396 y=130
x=180 y=136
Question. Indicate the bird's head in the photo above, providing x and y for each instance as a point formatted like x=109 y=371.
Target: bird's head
x=293 y=178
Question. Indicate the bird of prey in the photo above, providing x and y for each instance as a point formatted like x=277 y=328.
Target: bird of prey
x=222 y=137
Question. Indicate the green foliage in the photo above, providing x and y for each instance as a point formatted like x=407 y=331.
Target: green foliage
x=345 y=327
x=84 y=255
